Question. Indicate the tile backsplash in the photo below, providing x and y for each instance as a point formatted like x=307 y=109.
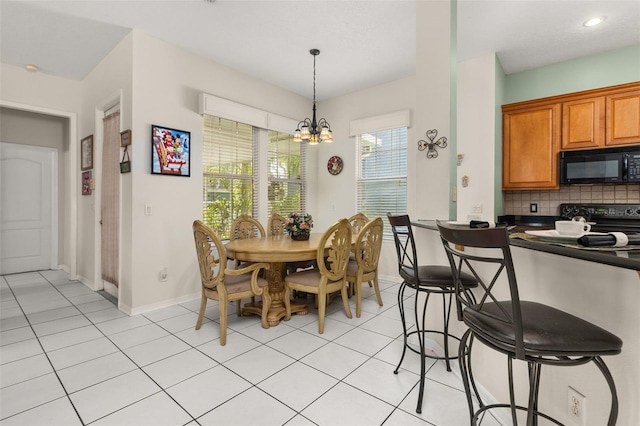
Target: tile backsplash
x=517 y=202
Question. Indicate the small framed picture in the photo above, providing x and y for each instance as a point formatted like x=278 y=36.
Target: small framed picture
x=86 y=153
x=125 y=138
x=125 y=167
x=86 y=183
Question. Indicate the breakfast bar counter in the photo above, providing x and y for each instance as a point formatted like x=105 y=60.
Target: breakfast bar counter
x=628 y=259
x=600 y=286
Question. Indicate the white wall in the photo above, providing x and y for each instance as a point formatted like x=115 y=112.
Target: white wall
x=476 y=136
x=168 y=96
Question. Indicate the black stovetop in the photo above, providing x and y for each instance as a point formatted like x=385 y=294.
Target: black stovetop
x=606 y=217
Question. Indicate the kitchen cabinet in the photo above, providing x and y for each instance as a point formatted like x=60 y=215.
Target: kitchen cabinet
x=623 y=118
x=531 y=142
x=534 y=132
x=583 y=123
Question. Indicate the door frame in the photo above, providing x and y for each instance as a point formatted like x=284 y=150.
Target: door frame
x=69 y=263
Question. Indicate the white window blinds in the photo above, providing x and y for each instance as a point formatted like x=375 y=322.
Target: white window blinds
x=382 y=172
x=286 y=178
x=229 y=172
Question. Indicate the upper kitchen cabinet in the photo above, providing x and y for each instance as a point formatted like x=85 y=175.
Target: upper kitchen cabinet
x=531 y=142
x=534 y=132
x=583 y=123
x=623 y=118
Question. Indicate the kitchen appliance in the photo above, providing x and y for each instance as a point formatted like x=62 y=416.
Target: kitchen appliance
x=607 y=217
x=603 y=217
x=611 y=165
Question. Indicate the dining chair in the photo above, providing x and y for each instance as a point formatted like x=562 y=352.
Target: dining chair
x=223 y=284
x=427 y=280
x=364 y=266
x=357 y=221
x=330 y=275
x=522 y=330
x=276 y=226
x=244 y=226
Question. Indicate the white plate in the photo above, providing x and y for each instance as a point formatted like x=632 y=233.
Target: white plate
x=552 y=235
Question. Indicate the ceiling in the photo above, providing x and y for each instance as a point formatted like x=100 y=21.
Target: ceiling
x=362 y=43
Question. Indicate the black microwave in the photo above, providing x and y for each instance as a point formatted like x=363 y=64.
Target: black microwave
x=609 y=165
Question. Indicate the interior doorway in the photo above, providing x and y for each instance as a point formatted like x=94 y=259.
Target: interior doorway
x=110 y=202
x=28 y=208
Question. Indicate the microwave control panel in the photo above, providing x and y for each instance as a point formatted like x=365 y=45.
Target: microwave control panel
x=633 y=167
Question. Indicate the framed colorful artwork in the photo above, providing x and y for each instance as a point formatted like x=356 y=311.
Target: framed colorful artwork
x=170 y=151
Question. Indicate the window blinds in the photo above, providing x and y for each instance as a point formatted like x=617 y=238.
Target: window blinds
x=286 y=174
x=382 y=172
x=229 y=172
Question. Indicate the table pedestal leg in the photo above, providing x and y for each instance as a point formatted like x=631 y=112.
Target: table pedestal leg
x=277 y=311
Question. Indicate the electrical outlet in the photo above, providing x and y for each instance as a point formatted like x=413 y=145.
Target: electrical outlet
x=148 y=210
x=533 y=207
x=577 y=407
x=163 y=275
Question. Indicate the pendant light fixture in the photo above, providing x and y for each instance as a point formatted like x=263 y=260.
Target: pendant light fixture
x=312 y=130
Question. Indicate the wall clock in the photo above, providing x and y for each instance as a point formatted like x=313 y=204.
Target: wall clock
x=334 y=165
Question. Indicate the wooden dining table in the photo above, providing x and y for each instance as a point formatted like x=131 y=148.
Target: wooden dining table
x=276 y=250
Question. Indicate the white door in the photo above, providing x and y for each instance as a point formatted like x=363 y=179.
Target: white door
x=28 y=199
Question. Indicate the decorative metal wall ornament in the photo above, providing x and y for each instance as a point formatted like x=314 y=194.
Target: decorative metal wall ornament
x=431 y=145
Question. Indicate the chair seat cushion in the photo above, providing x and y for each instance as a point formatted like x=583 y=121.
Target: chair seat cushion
x=240 y=283
x=436 y=276
x=307 y=277
x=546 y=331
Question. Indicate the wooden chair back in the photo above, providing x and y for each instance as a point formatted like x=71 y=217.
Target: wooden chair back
x=276 y=225
x=333 y=251
x=357 y=221
x=246 y=227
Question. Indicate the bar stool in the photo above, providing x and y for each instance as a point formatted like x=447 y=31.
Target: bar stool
x=528 y=331
x=428 y=280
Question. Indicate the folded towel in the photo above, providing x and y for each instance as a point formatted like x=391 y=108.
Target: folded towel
x=612 y=239
x=486 y=224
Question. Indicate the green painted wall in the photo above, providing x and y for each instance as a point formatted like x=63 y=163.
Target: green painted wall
x=606 y=69
x=499 y=100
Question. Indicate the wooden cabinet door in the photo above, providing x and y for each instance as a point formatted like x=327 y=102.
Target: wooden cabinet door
x=583 y=123
x=531 y=142
x=623 y=118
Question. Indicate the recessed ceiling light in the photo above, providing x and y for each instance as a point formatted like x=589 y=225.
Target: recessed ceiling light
x=31 y=67
x=594 y=21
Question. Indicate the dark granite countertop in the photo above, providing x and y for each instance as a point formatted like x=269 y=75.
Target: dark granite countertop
x=629 y=259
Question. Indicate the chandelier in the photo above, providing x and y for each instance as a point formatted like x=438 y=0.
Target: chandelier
x=313 y=131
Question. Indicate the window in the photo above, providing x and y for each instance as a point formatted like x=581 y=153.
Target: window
x=382 y=172
x=229 y=173
x=286 y=188
x=232 y=176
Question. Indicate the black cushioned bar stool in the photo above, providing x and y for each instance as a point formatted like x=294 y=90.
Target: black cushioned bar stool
x=535 y=333
x=429 y=280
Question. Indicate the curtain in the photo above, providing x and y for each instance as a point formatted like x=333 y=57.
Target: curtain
x=110 y=198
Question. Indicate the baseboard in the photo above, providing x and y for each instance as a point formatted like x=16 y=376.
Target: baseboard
x=159 y=305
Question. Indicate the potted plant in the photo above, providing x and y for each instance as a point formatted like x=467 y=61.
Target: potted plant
x=299 y=226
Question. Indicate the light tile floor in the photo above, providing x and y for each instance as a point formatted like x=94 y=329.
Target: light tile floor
x=70 y=357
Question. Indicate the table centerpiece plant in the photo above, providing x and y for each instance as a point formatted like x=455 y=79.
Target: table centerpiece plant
x=299 y=226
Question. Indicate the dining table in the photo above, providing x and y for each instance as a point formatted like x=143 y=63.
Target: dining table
x=277 y=250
